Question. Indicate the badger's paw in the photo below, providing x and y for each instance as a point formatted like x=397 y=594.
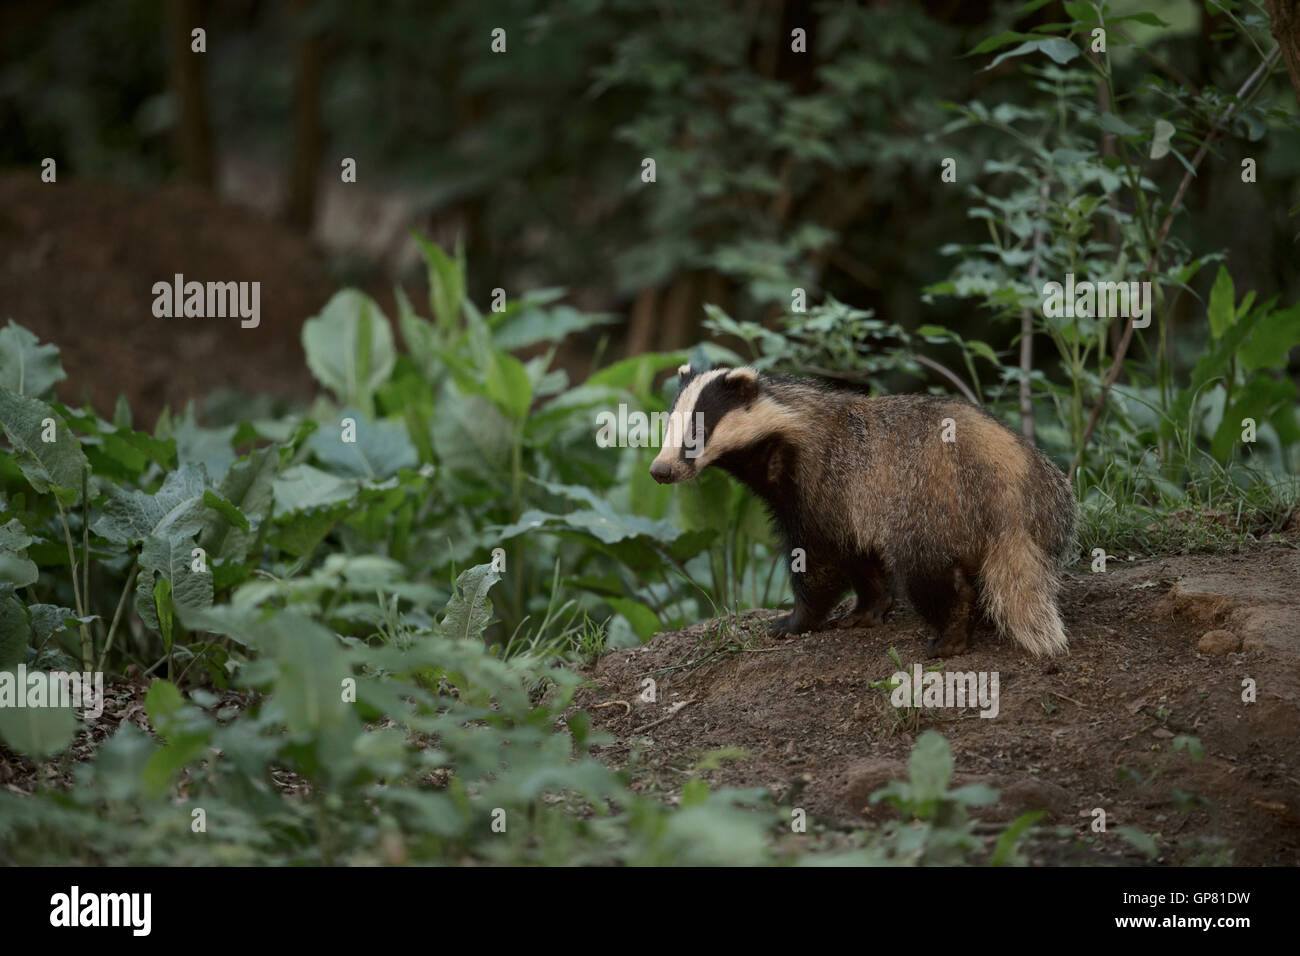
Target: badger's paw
x=781 y=626
x=947 y=645
x=864 y=616
x=789 y=625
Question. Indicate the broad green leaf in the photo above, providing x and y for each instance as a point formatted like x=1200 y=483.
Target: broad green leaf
x=469 y=611
x=299 y=532
x=27 y=367
x=635 y=373
x=1112 y=123
x=446 y=283
x=509 y=387
x=983 y=350
x=15 y=567
x=49 y=619
x=1144 y=17
x=930 y=766
x=1006 y=850
x=303 y=488
x=15 y=636
x=1160 y=138
x=1058 y=49
x=419 y=334
x=470 y=434
x=974 y=795
x=349 y=348
x=1222 y=296
x=177 y=509
x=186 y=729
x=34 y=731
x=126 y=453
x=1081 y=12
x=380 y=449
x=162 y=601
x=1141 y=841
x=706 y=501
x=1272 y=339
x=534 y=325
x=643 y=620
x=604 y=524
x=226 y=510
x=120 y=763
x=167 y=761
x=695 y=793
x=171 y=557
x=1260 y=398
x=245 y=491
x=56 y=465
x=1000 y=40
x=209 y=448
x=163 y=700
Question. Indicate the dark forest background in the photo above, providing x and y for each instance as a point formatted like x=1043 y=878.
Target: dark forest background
x=775 y=169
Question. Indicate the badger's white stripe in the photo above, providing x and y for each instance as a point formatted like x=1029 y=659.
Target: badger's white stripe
x=674 y=435
x=736 y=429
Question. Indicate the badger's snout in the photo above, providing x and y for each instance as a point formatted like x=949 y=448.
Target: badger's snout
x=661 y=472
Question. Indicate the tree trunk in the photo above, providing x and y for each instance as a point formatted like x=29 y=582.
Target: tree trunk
x=1284 y=21
x=309 y=64
x=192 y=131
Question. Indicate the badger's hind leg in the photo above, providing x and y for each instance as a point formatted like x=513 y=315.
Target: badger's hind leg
x=870 y=580
x=948 y=604
x=816 y=591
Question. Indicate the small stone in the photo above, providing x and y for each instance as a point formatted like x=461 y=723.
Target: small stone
x=1218 y=643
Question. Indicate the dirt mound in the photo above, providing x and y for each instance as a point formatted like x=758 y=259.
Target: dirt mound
x=78 y=261
x=1095 y=729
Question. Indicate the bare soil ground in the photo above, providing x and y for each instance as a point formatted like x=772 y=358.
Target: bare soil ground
x=78 y=261
x=1092 y=729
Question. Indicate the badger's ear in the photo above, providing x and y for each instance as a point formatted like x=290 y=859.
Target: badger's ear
x=684 y=374
x=744 y=380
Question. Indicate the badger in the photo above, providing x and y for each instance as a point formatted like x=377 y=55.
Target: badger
x=930 y=491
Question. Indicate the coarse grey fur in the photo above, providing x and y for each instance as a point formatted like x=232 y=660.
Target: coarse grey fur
x=932 y=492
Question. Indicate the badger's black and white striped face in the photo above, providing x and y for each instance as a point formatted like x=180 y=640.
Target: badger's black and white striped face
x=715 y=412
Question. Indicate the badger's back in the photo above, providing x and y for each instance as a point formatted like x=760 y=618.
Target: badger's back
x=877 y=474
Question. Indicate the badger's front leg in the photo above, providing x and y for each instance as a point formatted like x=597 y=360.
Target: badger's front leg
x=816 y=591
x=870 y=580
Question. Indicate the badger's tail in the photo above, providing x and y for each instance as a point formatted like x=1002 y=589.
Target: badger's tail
x=1019 y=586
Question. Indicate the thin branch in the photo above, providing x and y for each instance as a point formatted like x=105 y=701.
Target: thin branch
x=1027 y=321
x=948 y=374
x=117 y=616
x=85 y=537
x=87 y=643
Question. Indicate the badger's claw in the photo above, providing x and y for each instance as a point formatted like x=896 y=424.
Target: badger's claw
x=946 y=645
x=864 y=616
x=780 y=627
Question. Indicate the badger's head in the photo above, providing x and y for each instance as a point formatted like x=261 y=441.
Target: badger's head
x=715 y=412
